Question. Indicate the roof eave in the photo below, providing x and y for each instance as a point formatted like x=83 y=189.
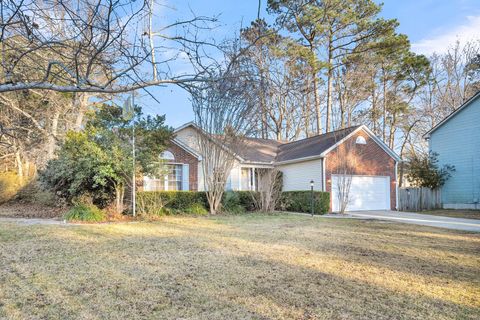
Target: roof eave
x=276 y=163
x=451 y=115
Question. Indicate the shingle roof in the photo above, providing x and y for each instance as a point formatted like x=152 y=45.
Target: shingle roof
x=260 y=150
x=312 y=146
x=269 y=151
x=265 y=150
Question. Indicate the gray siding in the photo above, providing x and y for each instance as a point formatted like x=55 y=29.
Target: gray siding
x=297 y=176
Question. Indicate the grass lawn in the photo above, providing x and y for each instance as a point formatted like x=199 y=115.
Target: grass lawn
x=239 y=267
x=467 y=214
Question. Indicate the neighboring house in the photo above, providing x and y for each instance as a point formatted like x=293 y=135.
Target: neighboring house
x=372 y=171
x=457 y=141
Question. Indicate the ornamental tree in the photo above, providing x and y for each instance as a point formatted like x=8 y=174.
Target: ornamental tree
x=98 y=160
x=425 y=171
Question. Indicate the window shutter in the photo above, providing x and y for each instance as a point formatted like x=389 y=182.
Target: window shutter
x=185 y=177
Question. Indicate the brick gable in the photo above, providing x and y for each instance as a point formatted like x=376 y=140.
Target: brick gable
x=369 y=159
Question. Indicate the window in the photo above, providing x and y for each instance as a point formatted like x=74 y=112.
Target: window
x=173 y=177
x=245 y=179
x=170 y=179
x=248 y=179
x=360 y=140
x=167 y=155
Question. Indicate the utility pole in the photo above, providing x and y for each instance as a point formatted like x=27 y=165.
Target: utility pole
x=134 y=181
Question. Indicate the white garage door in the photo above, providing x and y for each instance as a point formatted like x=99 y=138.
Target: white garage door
x=366 y=192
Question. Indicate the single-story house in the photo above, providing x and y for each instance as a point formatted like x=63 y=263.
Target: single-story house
x=456 y=139
x=371 y=167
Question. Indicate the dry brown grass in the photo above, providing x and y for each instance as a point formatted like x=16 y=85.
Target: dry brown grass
x=240 y=267
x=467 y=214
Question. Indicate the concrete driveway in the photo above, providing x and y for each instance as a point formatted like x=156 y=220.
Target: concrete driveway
x=420 y=219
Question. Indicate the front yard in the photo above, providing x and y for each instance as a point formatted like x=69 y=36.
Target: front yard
x=238 y=267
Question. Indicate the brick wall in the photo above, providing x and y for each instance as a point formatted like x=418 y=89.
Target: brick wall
x=368 y=159
x=184 y=157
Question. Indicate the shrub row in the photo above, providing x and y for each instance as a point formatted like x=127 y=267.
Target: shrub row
x=172 y=202
x=301 y=201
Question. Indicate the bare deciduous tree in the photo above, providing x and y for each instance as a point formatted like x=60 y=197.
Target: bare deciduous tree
x=224 y=111
x=94 y=46
x=269 y=189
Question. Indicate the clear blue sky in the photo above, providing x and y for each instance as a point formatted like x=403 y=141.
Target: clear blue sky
x=431 y=25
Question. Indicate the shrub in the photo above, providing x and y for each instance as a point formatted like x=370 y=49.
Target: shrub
x=170 y=202
x=33 y=192
x=85 y=212
x=246 y=199
x=196 y=208
x=300 y=201
x=10 y=184
x=231 y=203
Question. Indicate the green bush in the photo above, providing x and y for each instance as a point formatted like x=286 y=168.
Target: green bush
x=231 y=203
x=246 y=199
x=196 y=208
x=85 y=212
x=301 y=201
x=171 y=202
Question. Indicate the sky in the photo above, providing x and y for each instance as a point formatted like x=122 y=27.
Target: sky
x=431 y=25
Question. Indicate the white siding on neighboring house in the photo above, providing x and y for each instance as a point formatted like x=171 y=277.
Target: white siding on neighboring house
x=297 y=176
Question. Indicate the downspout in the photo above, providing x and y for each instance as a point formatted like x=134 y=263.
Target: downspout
x=324 y=180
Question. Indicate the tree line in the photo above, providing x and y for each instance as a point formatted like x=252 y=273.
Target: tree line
x=319 y=66
x=325 y=65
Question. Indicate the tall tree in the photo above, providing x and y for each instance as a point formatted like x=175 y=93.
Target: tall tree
x=334 y=30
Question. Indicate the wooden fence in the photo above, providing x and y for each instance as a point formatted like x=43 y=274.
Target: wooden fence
x=417 y=199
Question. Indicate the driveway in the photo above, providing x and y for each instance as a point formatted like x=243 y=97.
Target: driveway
x=420 y=219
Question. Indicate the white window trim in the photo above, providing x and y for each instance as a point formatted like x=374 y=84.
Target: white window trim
x=360 y=140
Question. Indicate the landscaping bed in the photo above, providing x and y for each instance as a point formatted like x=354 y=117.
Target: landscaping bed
x=28 y=210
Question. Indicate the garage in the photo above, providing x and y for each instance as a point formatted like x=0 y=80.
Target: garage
x=366 y=192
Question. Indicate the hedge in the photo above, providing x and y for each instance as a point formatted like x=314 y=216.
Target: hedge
x=301 y=201
x=172 y=202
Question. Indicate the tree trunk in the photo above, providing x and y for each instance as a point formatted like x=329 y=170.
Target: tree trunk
x=19 y=164
x=307 y=109
x=52 y=137
x=80 y=102
x=373 y=112
x=119 y=197
x=329 y=86
x=317 y=104
x=384 y=113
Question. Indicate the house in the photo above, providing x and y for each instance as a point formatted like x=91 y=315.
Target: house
x=371 y=167
x=456 y=139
